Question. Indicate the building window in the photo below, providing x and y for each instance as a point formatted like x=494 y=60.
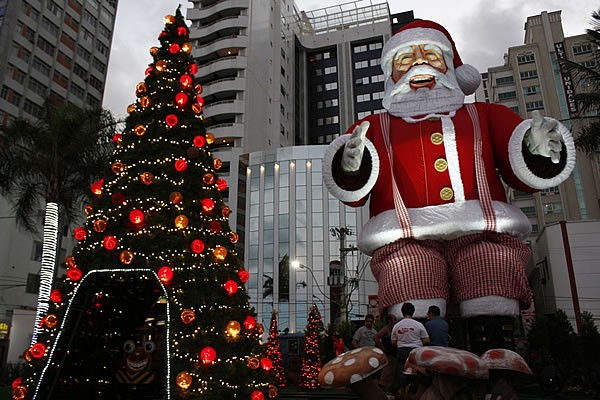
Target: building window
x=375 y=62
x=21 y=52
x=104 y=31
x=33 y=284
x=91 y=101
x=360 y=49
x=36 y=251
x=582 y=48
x=46 y=46
x=330 y=70
x=529 y=211
x=87 y=16
x=28 y=10
x=550 y=191
x=529 y=74
x=525 y=58
x=591 y=64
x=50 y=26
x=67 y=41
x=85 y=54
x=534 y=105
x=363 y=114
x=61 y=79
x=375 y=46
x=507 y=95
x=11 y=96
x=515 y=109
x=53 y=8
x=102 y=49
x=377 y=78
x=331 y=86
x=80 y=71
x=33 y=109
x=96 y=83
x=378 y=95
x=504 y=80
x=37 y=87
x=361 y=98
x=64 y=59
x=99 y=65
x=361 y=64
x=16 y=74
x=362 y=81
x=531 y=90
x=552 y=208
x=77 y=90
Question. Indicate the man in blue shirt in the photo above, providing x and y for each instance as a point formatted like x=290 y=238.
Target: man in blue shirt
x=436 y=327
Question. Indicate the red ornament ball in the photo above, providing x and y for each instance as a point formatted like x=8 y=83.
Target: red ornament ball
x=208 y=355
x=136 y=216
x=182 y=31
x=257 y=395
x=249 y=322
x=199 y=141
x=244 y=275
x=174 y=48
x=165 y=274
x=17 y=382
x=181 y=165
x=55 y=296
x=193 y=68
x=97 y=187
x=186 y=81
x=171 y=120
x=117 y=138
x=266 y=363
x=221 y=184
x=231 y=287
x=109 y=242
x=118 y=198
x=38 y=350
x=208 y=205
x=181 y=99
x=148 y=71
x=74 y=274
x=197 y=246
x=80 y=233
x=215 y=226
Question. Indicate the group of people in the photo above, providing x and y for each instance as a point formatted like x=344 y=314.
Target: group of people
x=399 y=337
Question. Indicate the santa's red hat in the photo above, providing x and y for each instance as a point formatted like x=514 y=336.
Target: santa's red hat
x=422 y=31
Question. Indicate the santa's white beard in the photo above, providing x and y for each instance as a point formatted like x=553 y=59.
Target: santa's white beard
x=401 y=100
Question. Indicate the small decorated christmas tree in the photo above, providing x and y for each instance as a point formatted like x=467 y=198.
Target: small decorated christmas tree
x=274 y=352
x=153 y=303
x=311 y=360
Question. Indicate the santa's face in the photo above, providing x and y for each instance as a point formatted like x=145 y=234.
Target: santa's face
x=421 y=83
x=418 y=55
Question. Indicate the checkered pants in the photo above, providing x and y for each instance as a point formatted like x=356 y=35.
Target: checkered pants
x=466 y=268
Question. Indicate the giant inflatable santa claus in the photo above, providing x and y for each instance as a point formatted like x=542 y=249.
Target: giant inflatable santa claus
x=433 y=168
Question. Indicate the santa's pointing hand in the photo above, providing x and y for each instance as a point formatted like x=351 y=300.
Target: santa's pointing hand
x=353 y=151
x=543 y=137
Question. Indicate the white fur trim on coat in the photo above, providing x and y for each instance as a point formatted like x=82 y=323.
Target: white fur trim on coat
x=332 y=186
x=519 y=166
x=489 y=305
x=443 y=222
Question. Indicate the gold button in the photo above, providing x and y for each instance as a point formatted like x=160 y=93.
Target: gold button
x=446 y=193
x=441 y=165
x=437 y=138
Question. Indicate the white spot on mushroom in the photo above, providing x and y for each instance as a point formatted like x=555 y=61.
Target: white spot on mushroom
x=356 y=350
x=349 y=362
x=329 y=377
x=355 y=378
x=373 y=362
x=377 y=350
x=337 y=360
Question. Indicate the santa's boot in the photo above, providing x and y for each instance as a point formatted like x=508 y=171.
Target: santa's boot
x=490 y=332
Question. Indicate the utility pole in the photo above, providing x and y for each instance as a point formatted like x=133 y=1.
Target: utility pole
x=340 y=233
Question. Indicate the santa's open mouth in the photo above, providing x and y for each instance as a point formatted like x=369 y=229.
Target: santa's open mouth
x=137 y=365
x=421 y=81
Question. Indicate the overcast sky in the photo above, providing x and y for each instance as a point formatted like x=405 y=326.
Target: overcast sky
x=483 y=31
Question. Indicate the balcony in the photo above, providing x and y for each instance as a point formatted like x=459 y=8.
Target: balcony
x=223 y=46
x=224 y=107
x=225 y=86
x=222 y=7
x=227 y=130
x=221 y=66
x=224 y=26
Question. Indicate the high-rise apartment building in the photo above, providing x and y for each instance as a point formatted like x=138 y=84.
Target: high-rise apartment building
x=532 y=79
x=51 y=49
x=274 y=77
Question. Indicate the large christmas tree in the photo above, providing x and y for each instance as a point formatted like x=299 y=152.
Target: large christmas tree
x=153 y=304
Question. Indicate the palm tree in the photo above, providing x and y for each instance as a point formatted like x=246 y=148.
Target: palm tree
x=48 y=165
x=588 y=76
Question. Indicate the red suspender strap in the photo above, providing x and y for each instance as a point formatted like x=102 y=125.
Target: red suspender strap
x=485 y=198
x=401 y=212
